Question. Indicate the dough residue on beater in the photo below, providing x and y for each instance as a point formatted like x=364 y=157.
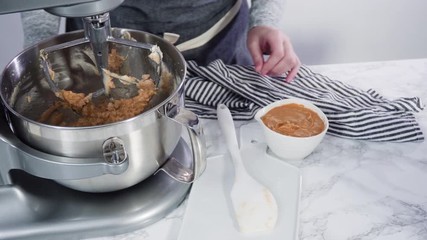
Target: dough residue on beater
x=88 y=110
x=104 y=112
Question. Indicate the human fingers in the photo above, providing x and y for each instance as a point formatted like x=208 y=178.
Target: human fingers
x=292 y=60
x=279 y=69
x=276 y=55
x=293 y=73
x=256 y=52
x=289 y=64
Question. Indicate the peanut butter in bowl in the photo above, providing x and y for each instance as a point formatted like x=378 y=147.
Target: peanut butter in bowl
x=292 y=128
x=293 y=120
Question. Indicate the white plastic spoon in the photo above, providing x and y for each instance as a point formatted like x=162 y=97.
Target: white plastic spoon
x=255 y=207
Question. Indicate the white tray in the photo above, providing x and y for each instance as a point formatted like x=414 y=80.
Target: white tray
x=208 y=214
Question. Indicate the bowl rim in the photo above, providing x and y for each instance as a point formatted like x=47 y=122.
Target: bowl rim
x=79 y=34
x=261 y=112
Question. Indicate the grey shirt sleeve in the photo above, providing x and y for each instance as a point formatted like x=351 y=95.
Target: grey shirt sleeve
x=267 y=12
x=38 y=25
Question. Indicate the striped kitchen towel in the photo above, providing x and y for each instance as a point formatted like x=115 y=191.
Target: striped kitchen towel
x=352 y=113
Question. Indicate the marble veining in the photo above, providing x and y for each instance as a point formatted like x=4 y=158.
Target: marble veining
x=356 y=190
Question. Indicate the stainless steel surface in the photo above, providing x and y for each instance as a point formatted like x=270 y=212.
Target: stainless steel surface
x=114 y=150
x=197 y=139
x=17 y=155
x=148 y=138
x=42 y=209
x=64 y=8
x=85 y=9
x=98 y=30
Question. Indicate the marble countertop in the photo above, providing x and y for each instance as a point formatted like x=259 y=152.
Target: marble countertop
x=350 y=189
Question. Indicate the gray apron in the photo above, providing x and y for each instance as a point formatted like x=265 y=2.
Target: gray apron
x=189 y=19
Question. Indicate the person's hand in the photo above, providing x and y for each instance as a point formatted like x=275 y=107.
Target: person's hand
x=271 y=41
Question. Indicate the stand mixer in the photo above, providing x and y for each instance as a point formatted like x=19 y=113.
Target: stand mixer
x=94 y=181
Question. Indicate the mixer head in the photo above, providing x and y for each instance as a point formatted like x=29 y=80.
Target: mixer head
x=62 y=8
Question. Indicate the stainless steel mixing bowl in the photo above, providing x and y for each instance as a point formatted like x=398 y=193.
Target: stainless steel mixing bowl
x=146 y=140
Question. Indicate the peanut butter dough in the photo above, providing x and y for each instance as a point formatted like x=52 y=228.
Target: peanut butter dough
x=91 y=114
x=293 y=120
x=78 y=110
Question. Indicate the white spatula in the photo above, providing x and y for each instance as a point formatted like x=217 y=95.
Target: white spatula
x=255 y=207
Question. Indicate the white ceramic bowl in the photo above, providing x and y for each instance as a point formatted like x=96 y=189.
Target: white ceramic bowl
x=288 y=147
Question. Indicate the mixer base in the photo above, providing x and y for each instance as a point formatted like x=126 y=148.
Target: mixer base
x=36 y=208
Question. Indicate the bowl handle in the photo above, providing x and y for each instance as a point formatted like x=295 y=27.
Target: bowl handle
x=173 y=167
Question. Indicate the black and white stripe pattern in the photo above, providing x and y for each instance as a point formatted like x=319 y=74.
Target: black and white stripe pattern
x=352 y=113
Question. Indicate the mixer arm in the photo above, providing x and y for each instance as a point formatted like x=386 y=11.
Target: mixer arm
x=62 y=8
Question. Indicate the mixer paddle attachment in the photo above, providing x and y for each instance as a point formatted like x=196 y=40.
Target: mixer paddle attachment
x=98 y=36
